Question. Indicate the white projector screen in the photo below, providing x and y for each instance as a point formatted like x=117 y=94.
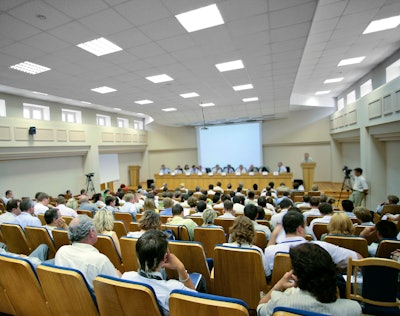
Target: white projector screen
x=235 y=144
x=109 y=167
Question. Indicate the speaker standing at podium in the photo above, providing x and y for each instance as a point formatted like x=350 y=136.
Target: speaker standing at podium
x=307 y=158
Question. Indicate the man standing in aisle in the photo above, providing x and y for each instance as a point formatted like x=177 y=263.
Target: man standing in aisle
x=360 y=188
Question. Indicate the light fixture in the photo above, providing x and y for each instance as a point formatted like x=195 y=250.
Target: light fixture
x=322 y=92
x=333 y=80
x=103 y=90
x=141 y=114
x=84 y=102
x=117 y=109
x=230 y=65
x=159 y=78
x=142 y=102
x=169 y=109
x=30 y=68
x=351 y=61
x=189 y=95
x=243 y=87
x=250 y=99
x=201 y=18
x=204 y=105
x=383 y=24
x=40 y=93
x=99 y=47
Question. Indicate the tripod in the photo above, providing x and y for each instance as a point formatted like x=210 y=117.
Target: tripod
x=89 y=185
x=346 y=184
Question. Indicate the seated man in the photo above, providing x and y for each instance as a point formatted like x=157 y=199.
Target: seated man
x=81 y=254
x=178 y=219
x=326 y=212
x=12 y=211
x=54 y=220
x=385 y=230
x=26 y=218
x=228 y=211
x=281 y=168
x=153 y=255
x=164 y=169
x=391 y=200
x=85 y=205
x=250 y=211
x=168 y=203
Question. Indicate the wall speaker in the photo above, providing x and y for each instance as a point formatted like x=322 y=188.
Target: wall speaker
x=32 y=130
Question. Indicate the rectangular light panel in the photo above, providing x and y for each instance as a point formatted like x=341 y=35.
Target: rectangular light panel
x=333 y=80
x=383 y=24
x=30 y=68
x=204 y=105
x=103 y=90
x=250 y=99
x=159 y=78
x=169 y=109
x=201 y=18
x=142 y=102
x=99 y=47
x=230 y=65
x=243 y=87
x=189 y=95
x=322 y=92
x=351 y=61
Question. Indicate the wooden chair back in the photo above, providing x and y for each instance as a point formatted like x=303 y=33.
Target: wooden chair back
x=386 y=247
x=226 y=224
x=264 y=222
x=106 y=246
x=23 y=289
x=15 y=239
x=125 y=217
x=182 y=303
x=67 y=219
x=41 y=217
x=120 y=228
x=164 y=218
x=260 y=240
x=40 y=235
x=358 y=244
x=128 y=253
x=310 y=218
x=139 y=216
x=197 y=219
x=122 y=297
x=282 y=264
x=209 y=237
x=392 y=209
x=370 y=239
x=5 y=303
x=239 y=273
x=373 y=270
x=60 y=237
x=180 y=231
x=85 y=212
x=134 y=227
x=319 y=229
x=267 y=217
x=66 y=291
x=191 y=253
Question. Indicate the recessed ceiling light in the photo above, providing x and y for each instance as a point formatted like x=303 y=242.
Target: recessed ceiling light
x=144 y=102
x=159 y=78
x=40 y=93
x=230 y=65
x=141 y=114
x=84 y=102
x=169 y=109
x=250 y=99
x=117 y=109
x=383 y=24
x=333 y=80
x=189 y=95
x=30 y=68
x=201 y=18
x=204 y=105
x=322 y=92
x=243 y=87
x=103 y=90
x=351 y=61
x=99 y=47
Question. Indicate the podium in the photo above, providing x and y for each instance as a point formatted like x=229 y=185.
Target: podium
x=308 y=174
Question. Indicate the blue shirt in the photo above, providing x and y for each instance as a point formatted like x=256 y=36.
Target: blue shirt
x=167 y=211
x=26 y=219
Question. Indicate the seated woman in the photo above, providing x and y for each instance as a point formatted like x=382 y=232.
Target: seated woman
x=363 y=215
x=242 y=235
x=149 y=205
x=310 y=286
x=149 y=220
x=209 y=215
x=98 y=200
x=340 y=225
x=104 y=224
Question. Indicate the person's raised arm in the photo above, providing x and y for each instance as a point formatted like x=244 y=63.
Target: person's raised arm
x=172 y=262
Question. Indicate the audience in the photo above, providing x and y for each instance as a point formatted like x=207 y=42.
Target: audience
x=104 y=224
x=339 y=225
x=209 y=215
x=42 y=201
x=178 y=219
x=149 y=220
x=12 y=211
x=26 y=218
x=326 y=212
x=364 y=216
x=391 y=200
x=64 y=210
x=385 y=230
x=250 y=211
x=54 y=220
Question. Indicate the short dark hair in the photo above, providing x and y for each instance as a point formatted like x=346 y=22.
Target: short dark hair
x=109 y=199
x=250 y=194
x=314 y=201
x=291 y=221
x=201 y=206
x=306 y=198
x=11 y=204
x=358 y=170
x=151 y=248
x=387 y=229
x=250 y=210
x=50 y=215
x=25 y=205
x=177 y=209
x=236 y=199
x=347 y=205
x=315 y=271
x=228 y=205
x=262 y=201
x=285 y=203
x=325 y=208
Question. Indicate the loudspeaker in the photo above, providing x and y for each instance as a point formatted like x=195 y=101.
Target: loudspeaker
x=32 y=130
x=149 y=183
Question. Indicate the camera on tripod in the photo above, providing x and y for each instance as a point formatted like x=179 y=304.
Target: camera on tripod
x=89 y=175
x=347 y=171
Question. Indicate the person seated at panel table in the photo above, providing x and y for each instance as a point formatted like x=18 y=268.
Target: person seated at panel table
x=186 y=169
x=200 y=169
x=253 y=169
x=241 y=169
x=217 y=169
x=281 y=167
x=178 y=169
x=164 y=170
x=229 y=169
x=193 y=170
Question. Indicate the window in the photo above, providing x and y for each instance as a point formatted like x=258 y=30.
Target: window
x=138 y=124
x=103 y=120
x=351 y=97
x=2 y=107
x=393 y=71
x=36 y=112
x=71 y=116
x=122 y=122
x=366 y=88
x=340 y=104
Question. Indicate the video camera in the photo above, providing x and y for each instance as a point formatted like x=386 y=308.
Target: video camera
x=89 y=175
x=347 y=171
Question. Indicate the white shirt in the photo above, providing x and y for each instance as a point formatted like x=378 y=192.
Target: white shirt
x=324 y=220
x=360 y=184
x=129 y=207
x=277 y=218
x=162 y=288
x=282 y=169
x=66 y=211
x=7 y=217
x=40 y=208
x=226 y=215
x=238 y=208
x=87 y=259
x=312 y=212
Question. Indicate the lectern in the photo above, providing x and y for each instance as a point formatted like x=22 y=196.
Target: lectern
x=308 y=174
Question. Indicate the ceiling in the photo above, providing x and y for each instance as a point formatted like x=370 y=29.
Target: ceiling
x=288 y=48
